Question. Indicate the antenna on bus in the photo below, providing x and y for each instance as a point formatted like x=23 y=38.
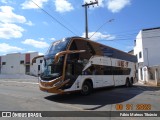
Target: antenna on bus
x=111 y=20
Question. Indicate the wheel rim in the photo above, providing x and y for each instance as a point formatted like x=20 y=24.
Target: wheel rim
x=85 y=89
x=127 y=84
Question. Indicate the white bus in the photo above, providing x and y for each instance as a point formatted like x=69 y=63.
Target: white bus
x=79 y=64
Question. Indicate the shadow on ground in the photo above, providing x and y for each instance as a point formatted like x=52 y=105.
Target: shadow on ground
x=102 y=97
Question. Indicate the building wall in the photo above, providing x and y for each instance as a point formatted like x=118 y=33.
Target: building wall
x=34 y=67
x=139 y=47
x=16 y=63
x=151 y=45
x=0 y=64
x=13 y=67
x=148 y=43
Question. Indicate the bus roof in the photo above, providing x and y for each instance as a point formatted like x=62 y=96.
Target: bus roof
x=116 y=52
x=106 y=50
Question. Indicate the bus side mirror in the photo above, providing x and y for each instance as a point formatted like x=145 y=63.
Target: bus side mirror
x=58 y=55
x=34 y=59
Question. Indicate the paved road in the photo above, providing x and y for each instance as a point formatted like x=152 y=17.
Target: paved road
x=26 y=96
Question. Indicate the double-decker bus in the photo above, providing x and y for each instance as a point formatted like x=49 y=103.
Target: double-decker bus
x=79 y=64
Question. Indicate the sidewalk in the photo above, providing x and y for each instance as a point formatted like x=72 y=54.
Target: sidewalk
x=149 y=83
x=18 y=77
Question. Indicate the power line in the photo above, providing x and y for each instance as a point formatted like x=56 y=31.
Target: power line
x=120 y=35
x=125 y=35
x=53 y=18
x=130 y=31
x=65 y=21
x=116 y=40
x=130 y=38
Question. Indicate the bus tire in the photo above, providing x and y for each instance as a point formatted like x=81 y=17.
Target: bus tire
x=131 y=82
x=86 y=88
x=127 y=83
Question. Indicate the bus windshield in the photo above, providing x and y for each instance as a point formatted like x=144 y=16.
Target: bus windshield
x=50 y=70
x=58 y=46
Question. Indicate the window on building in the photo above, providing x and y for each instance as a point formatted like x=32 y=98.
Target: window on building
x=3 y=63
x=137 y=57
x=140 y=54
x=134 y=42
x=27 y=69
x=39 y=67
x=22 y=62
x=41 y=61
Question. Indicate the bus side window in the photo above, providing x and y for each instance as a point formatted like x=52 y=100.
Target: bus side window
x=108 y=70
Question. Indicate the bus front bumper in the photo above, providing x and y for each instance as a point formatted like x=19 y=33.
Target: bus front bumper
x=52 y=86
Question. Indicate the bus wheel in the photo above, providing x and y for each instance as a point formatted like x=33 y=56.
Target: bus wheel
x=86 y=88
x=131 y=82
x=127 y=83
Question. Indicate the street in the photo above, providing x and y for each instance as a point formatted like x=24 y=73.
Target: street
x=25 y=96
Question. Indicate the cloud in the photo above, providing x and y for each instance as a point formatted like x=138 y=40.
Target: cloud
x=40 y=53
x=3 y=1
x=7 y=15
x=7 y=48
x=45 y=23
x=29 y=23
x=42 y=39
x=53 y=39
x=99 y=36
x=8 y=31
x=63 y=6
x=30 y=51
x=112 y=5
x=28 y=4
x=36 y=44
x=116 y=5
x=8 y=20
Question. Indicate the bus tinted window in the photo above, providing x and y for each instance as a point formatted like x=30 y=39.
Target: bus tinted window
x=107 y=70
x=82 y=45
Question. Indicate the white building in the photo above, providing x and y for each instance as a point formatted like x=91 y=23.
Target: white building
x=147 y=47
x=17 y=63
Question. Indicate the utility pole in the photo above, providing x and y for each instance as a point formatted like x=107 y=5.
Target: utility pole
x=86 y=5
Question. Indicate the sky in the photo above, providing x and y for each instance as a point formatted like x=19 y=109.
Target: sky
x=32 y=25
